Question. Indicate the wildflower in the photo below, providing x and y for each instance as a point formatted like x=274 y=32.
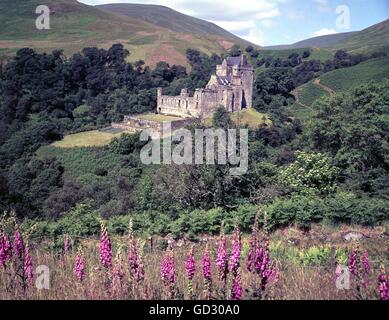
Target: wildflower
x=236 y=247
x=207 y=272
x=352 y=261
x=140 y=272
x=168 y=269
x=5 y=249
x=383 y=282
x=18 y=243
x=168 y=275
x=366 y=262
x=190 y=266
x=105 y=248
x=79 y=266
x=27 y=266
x=222 y=258
x=237 y=289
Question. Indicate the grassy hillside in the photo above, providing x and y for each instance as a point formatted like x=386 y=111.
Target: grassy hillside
x=249 y=117
x=87 y=139
x=75 y=25
x=339 y=81
x=170 y=19
x=319 y=42
x=350 y=78
x=374 y=38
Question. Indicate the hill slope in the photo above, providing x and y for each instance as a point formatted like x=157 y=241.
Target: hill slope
x=75 y=25
x=372 y=39
x=338 y=81
x=320 y=42
x=170 y=19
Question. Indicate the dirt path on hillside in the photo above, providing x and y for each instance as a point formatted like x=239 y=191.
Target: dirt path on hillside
x=296 y=93
x=330 y=91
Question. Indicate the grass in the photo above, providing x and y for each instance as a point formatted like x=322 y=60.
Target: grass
x=82 y=162
x=350 y=78
x=310 y=92
x=158 y=117
x=339 y=80
x=249 y=117
x=87 y=139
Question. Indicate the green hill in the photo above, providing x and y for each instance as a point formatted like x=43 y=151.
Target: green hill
x=374 y=38
x=319 y=42
x=170 y=19
x=338 y=81
x=75 y=25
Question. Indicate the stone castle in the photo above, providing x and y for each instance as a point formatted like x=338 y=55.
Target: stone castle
x=231 y=87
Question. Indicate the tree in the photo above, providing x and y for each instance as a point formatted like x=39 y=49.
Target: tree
x=221 y=118
x=309 y=173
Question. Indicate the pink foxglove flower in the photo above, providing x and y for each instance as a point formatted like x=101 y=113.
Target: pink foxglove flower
x=352 y=261
x=168 y=268
x=207 y=273
x=5 y=249
x=366 y=262
x=383 y=283
x=27 y=267
x=105 y=248
x=222 y=258
x=79 y=266
x=236 y=248
x=237 y=289
x=190 y=266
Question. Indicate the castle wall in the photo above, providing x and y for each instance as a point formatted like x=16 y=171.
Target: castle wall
x=231 y=87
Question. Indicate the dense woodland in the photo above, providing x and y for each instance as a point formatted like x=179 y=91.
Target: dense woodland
x=332 y=168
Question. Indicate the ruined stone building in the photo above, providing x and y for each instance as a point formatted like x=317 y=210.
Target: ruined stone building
x=231 y=87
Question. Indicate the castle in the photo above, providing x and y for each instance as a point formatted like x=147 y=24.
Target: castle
x=231 y=87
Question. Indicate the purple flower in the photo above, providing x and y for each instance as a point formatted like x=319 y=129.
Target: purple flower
x=237 y=289
x=352 y=262
x=222 y=259
x=236 y=248
x=383 y=285
x=27 y=267
x=366 y=262
x=190 y=265
x=79 y=266
x=105 y=248
x=206 y=263
x=168 y=269
x=207 y=273
x=5 y=249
